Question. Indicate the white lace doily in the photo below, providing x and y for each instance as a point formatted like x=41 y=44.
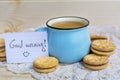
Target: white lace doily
x=77 y=71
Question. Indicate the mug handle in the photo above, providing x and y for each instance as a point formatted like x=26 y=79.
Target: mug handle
x=41 y=29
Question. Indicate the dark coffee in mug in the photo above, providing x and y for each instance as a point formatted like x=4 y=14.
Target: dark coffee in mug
x=68 y=24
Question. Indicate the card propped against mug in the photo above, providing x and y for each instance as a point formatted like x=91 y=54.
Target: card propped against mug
x=25 y=47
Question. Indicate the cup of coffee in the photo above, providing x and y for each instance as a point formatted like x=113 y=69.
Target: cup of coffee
x=68 y=38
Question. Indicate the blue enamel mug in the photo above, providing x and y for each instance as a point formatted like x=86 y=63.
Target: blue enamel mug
x=69 y=45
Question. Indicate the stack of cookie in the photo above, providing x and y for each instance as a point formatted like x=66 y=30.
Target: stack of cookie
x=45 y=64
x=103 y=47
x=98 y=37
x=2 y=50
x=101 y=50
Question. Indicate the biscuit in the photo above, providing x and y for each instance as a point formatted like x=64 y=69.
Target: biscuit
x=2 y=45
x=103 y=45
x=45 y=70
x=2 y=59
x=2 y=54
x=45 y=62
x=93 y=59
x=2 y=49
x=2 y=42
x=104 y=53
x=95 y=37
x=95 y=67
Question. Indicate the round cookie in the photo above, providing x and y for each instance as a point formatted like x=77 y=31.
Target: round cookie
x=96 y=67
x=95 y=37
x=2 y=49
x=47 y=70
x=103 y=45
x=2 y=45
x=2 y=59
x=45 y=62
x=2 y=54
x=2 y=42
x=93 y=59
x=102 y=52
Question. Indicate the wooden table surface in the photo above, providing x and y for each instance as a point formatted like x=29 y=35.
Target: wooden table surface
x=23 y=14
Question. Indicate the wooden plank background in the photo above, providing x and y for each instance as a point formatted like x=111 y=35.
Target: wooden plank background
x=34 y=13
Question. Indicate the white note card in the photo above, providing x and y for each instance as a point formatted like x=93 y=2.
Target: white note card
x=25 y=47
